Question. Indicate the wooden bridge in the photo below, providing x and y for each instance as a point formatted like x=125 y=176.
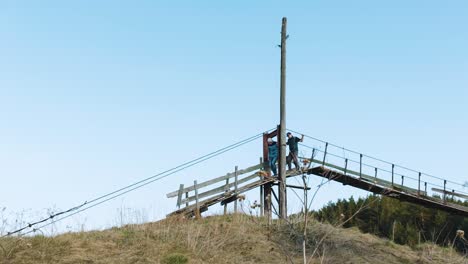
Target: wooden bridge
x=197 y=198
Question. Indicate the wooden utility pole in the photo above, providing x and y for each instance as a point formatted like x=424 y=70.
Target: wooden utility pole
x=306 y=211
x=282 y=133
x=267 y=187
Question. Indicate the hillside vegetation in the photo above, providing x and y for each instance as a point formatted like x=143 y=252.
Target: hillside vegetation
x=219 y=239
x=404 y=223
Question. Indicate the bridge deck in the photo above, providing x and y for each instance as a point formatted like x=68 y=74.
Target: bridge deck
x=395 y=192
x=365 y=182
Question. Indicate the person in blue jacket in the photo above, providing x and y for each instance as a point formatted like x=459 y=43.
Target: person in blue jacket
x=293 y=150
x=273 y=155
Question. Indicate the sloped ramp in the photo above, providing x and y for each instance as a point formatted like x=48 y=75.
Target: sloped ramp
x=380 y=187
x=222 y=198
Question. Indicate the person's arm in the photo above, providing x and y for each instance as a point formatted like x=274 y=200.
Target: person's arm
x=302 y=138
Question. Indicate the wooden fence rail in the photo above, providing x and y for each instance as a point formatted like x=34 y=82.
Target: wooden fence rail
x=215 y=180
x=229 y=188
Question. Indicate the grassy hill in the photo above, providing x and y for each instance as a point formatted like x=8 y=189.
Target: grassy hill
x=218 y=239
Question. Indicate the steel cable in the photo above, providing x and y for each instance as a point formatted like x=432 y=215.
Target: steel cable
x=133 y=186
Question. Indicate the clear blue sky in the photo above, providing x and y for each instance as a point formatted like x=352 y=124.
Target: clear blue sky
x=94 y=96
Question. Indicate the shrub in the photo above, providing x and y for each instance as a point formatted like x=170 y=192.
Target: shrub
x=175 y=258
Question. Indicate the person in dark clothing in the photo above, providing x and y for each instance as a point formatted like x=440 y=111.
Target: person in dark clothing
x=273 y=155
x=293 y=150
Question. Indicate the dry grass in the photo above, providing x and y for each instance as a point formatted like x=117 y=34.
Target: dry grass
x=352 y=246
x=220 y=239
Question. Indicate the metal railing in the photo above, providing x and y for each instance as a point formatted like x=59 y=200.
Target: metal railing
x=380 y=171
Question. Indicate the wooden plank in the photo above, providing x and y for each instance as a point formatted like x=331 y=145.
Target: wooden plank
x=294 y=186
x=450 y=193
x=457 y=206
x=215 y=180
x=221 y=188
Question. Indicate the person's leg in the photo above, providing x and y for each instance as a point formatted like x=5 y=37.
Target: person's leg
x=288 y=160
x=270 y=164
x=273 y=165
x=296 y=160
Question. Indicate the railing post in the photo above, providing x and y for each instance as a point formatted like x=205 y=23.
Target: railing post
x=360 y=166
x=197 y=205
x=311 y=160
x=393 y=173
x=261 y=190
x=375 y=180
x=425 y=188
x=419 y=184
x=235 y=189
x=325 y=154
x=402 y=180
x=226 y=190
x=186 y=199
x=445 y=184
x=346 y=166
x=179 y=195
x=313 y=157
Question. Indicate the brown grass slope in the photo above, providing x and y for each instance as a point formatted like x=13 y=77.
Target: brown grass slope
x=220 y=239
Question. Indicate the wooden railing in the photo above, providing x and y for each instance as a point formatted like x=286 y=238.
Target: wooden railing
x=232 y=182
